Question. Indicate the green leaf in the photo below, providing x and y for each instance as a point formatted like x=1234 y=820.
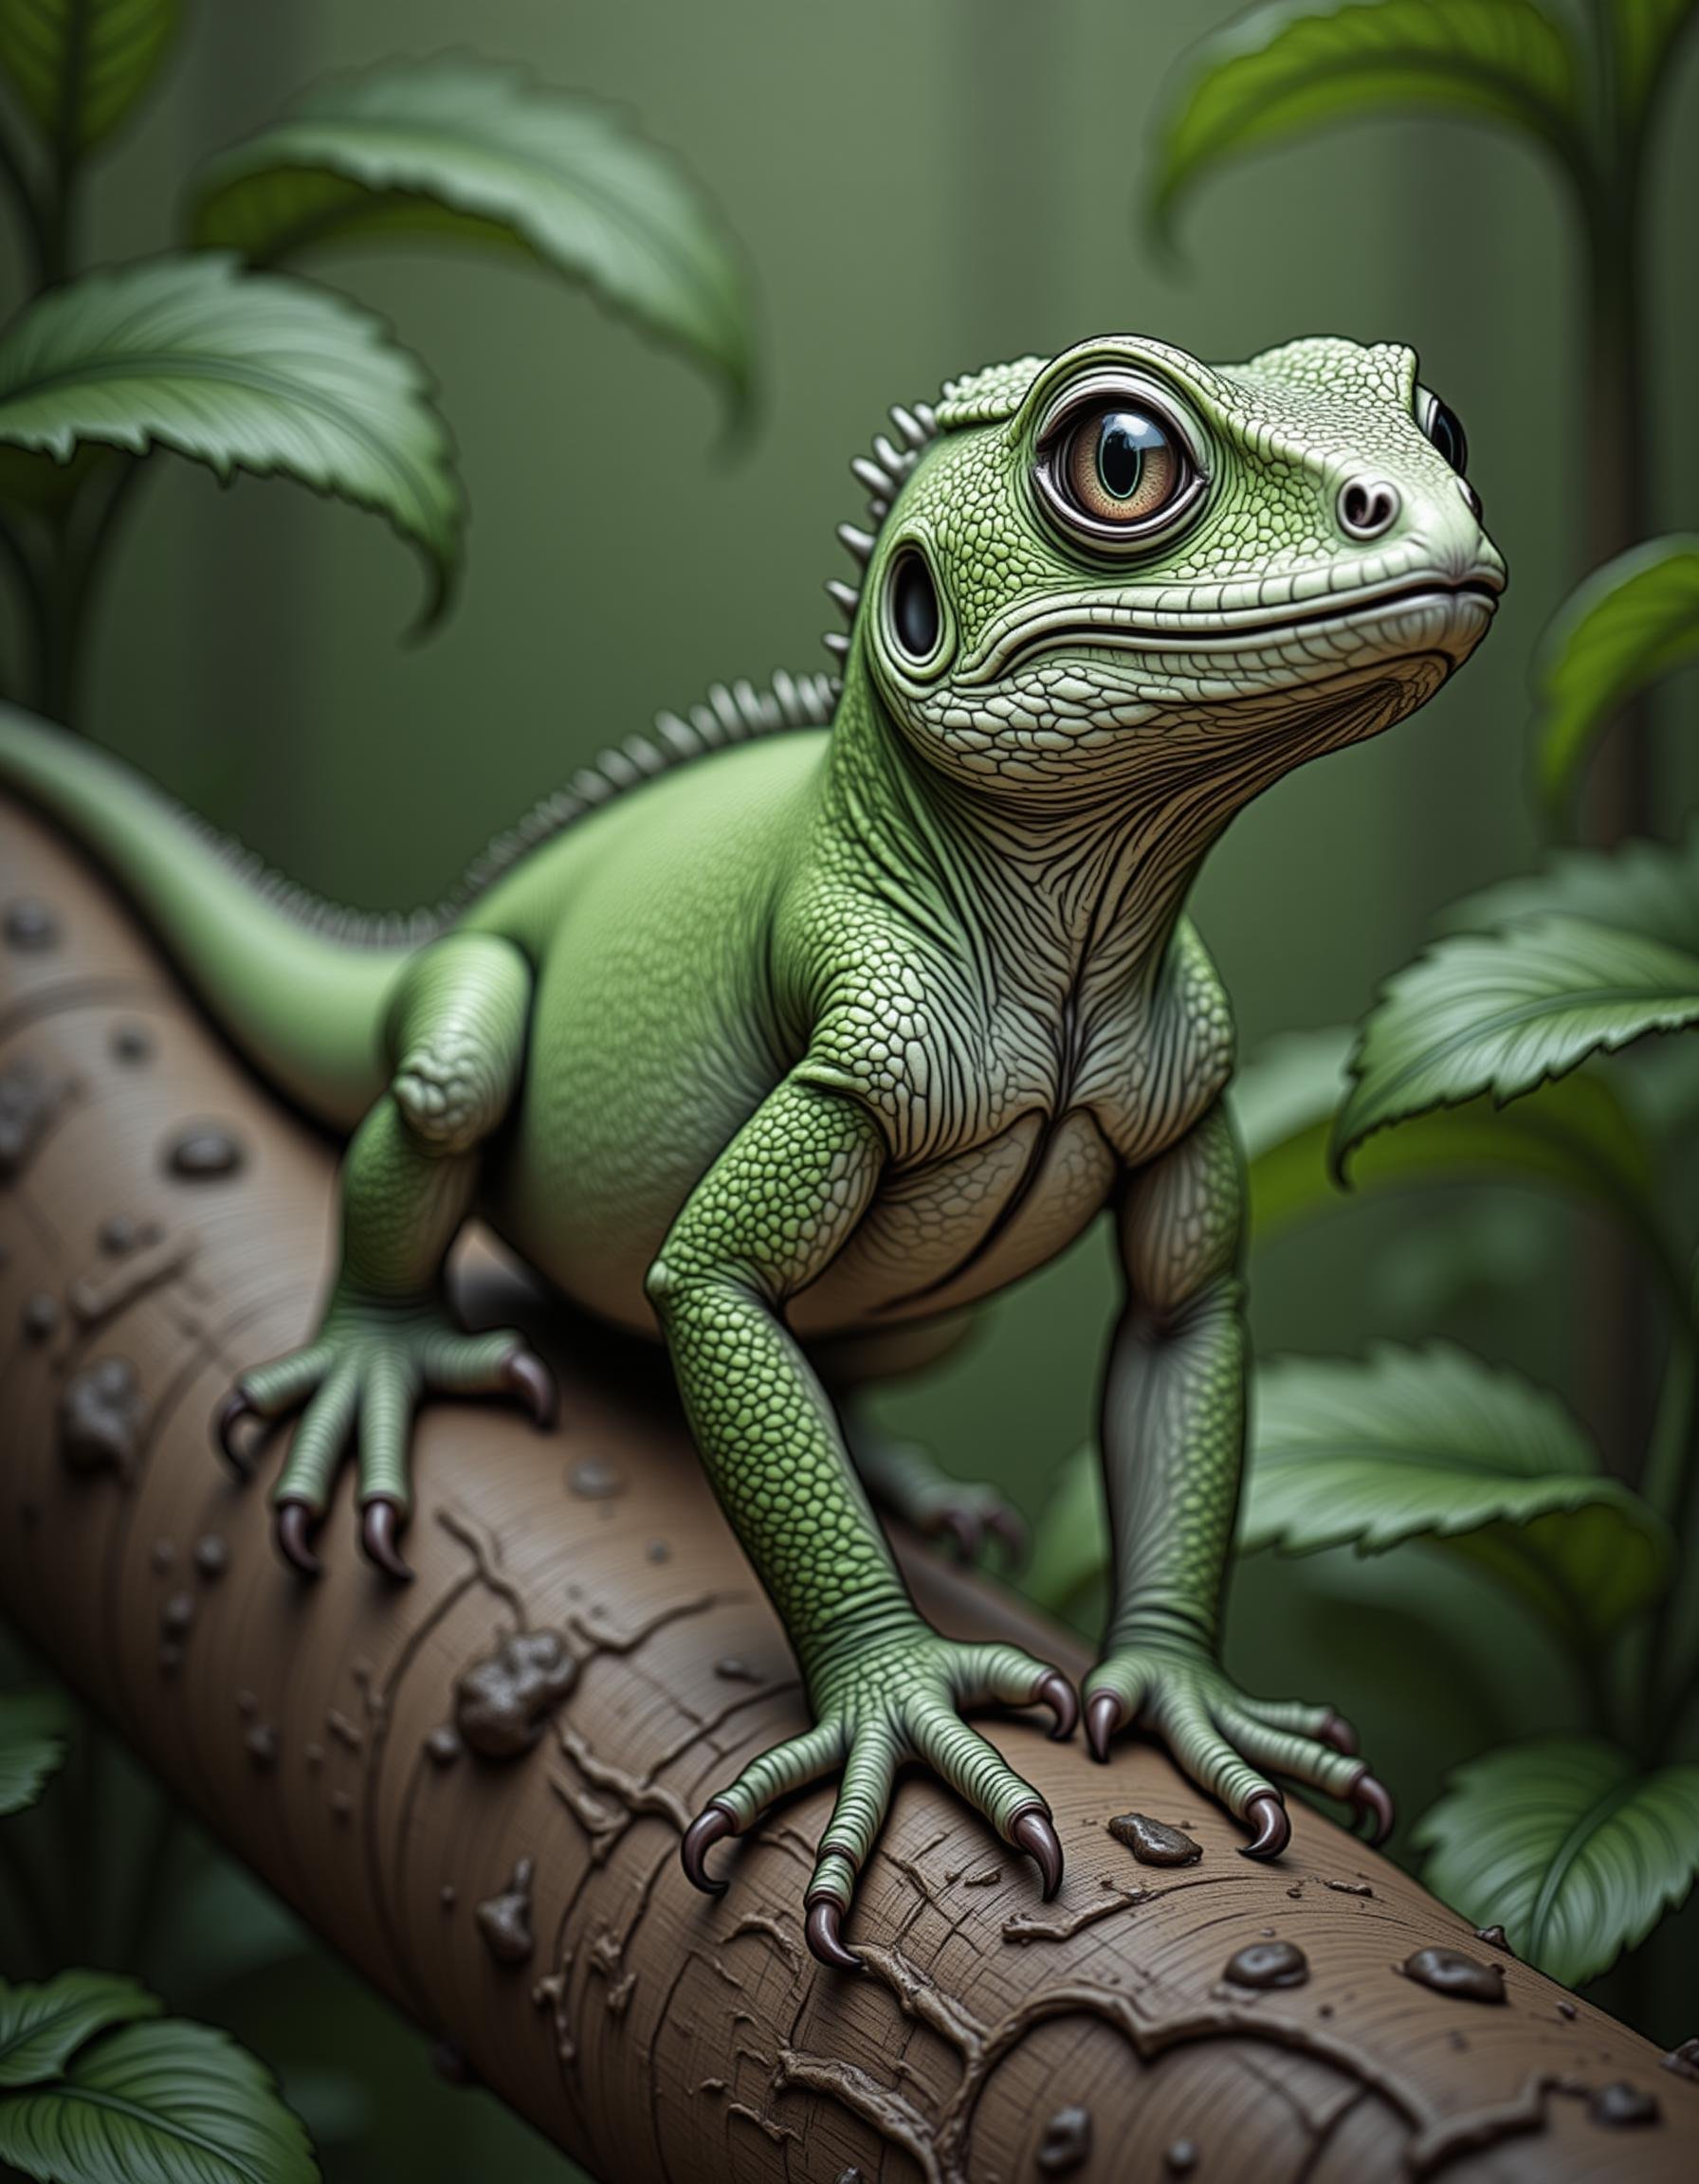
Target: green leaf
x=1647 y=887
x=1288 y=67
x=254 y=371
x=1599 y=950
x=1573 y=1134
x=1568 y=1845
x=169 y=2102
x=34 y=1727
x=1071 y=1537
x=1644 y=35
x=41 y=2027
x=1632 y=623
x=1432 y=1443
x=79 y=66
x=463 y=150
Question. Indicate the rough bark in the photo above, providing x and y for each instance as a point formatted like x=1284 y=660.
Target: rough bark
x=527 y=1902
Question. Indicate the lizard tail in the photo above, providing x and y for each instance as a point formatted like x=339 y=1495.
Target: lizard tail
x=300 y=988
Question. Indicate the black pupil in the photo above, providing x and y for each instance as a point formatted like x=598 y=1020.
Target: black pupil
x=914 y=608
x=1121 y=443
x=1445 y=429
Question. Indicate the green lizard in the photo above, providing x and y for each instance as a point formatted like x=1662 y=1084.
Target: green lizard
x=794 y=1051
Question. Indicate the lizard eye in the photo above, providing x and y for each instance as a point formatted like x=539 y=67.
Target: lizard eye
x=1116 y=469
x=1119 y=466
x=1444 y=428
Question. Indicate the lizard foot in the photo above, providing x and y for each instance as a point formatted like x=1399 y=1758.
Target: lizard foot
x=878 y=1705
x=965 y=1514
x=360 y=1379
x=1222 y=1738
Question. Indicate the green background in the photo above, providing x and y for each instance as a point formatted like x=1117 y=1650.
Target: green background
x=921 y=186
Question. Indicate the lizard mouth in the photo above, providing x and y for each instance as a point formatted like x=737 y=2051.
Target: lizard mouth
x=1242 y=629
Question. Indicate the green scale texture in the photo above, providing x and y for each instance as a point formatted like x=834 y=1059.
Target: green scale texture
x=794 y=1032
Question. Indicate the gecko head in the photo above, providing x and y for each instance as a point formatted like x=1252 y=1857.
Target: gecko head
x=1123 y=563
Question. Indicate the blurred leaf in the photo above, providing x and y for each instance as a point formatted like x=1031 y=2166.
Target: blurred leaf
x=42 y=2027
x=34 y=1727
x=1568 y=1845
x=1632 y=623
x=255 y=372
x=1597 y=951
x=171 y=2103
x=92 y=58
x=1572 y=1133
x=464 y=149
x=1286 y=68
x=1640 y=888
x=1644 y=33
x=1070 y=1538
x=1433 y=1444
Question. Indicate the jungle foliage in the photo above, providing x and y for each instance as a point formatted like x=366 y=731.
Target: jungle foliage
x=1484 y=1062
x=217 y=350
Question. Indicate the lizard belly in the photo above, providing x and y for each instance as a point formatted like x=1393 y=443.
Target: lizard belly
x=939 y=1236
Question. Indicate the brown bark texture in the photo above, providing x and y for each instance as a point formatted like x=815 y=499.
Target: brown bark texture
x=475 y=1786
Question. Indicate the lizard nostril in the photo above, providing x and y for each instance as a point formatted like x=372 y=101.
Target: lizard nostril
x=1367 y=508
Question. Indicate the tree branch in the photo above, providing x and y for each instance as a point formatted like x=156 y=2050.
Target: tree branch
x=531 y=1907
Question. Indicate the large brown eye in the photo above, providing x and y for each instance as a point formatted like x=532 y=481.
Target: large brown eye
x=1121 y=467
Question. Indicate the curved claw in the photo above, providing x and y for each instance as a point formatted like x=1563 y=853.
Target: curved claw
x=824 y=1928
x=1006 y=1526
x=293 y=1529
x=714 y=1821
x=525 y=1375
x=381 y=1520
x=1273 y=1829
x=1033 y=1831
x=1338 y=1732
x=1053 y=1690
x=231 y=1414
x=1103 y=1716
x=1371 y=1800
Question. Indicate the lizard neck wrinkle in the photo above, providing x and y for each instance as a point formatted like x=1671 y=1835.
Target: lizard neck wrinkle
x=1044 y=885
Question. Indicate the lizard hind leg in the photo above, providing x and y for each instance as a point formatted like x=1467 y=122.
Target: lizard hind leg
x=903 y=1478
x=907 y=1482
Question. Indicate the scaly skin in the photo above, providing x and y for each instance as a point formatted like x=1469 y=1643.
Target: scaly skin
x=795 y=1052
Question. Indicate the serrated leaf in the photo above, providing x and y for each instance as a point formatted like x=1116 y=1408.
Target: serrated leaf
x=1284 y=69
x=1648 y=887
x=1598 y=951
x=1572 y=1133
x=34 y=1728
x=1568 y=1845
x=1432 y=1443
x=91 y=59
x=41 y=2027
x=167 y=2103
x=1632 y=623
x=255 y=372
x=462 y=150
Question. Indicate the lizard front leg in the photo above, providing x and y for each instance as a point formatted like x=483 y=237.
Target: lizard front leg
x=1173 y=1444
x=389 y=1334
x=883 y=1685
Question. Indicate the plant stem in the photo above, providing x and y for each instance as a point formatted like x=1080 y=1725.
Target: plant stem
x=28 y=203
x=78 y=539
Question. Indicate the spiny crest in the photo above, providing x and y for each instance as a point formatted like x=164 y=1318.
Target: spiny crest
x=884 y=473
x=732 y=713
